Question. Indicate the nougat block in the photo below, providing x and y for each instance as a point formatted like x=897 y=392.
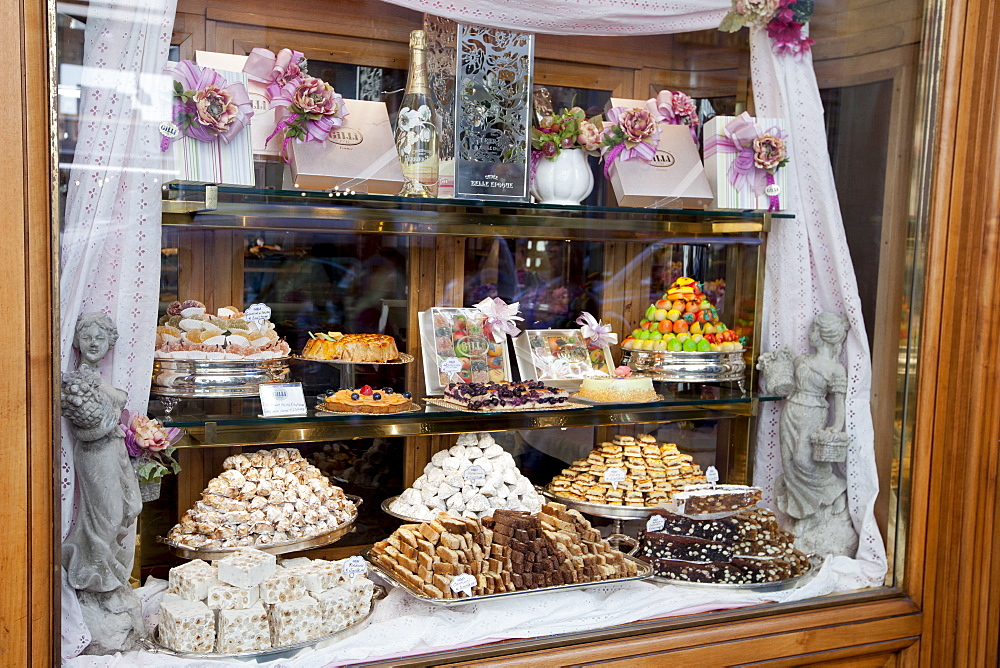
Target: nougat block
x=187 y=626
x=246 y=568
x=334 y=608
x=295 y=621
x=362 y=586
x=322 y=575
x=192 y=580
x=227 y=597
x=243 y=630
x=297 y=562
x=284 y=586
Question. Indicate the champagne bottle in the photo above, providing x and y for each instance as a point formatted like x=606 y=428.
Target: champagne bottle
x=417 y=127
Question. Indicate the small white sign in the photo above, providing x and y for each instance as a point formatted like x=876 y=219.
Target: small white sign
x=614 y=475
x=464 y=583
x=257 y=312
x=772 y=190
x=712 y=475
x=282 y=399
x=354 y=567
x=474 y=473
x=169 y=130
x=450 y=365
x=655 y=523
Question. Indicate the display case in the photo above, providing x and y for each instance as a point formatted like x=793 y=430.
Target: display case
x=361 y=263
x=296 y=249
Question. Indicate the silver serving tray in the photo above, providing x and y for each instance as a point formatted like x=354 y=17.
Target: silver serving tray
x=297 y=545
x=644 y=572
x=780 y=585
x=216 y=378
x=687 y=367
x=152 y=644
x=404 y=358
x=600 y=509
x=385 y=509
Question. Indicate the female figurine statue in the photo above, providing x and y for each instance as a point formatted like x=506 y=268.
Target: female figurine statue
x=811 y=489
x=100 y=548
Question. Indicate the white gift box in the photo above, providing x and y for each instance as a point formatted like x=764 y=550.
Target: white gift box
x=263 y=121
x=719 y=160
x=674 y=178
x=193 y=161
x=360 y=155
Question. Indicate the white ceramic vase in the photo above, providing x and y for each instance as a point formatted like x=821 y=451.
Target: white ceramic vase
x=567 y=179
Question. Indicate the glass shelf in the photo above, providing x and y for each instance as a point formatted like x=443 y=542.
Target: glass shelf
x=310 y=210
x=237 y=422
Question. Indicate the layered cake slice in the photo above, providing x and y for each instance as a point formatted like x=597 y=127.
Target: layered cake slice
x=705 y=499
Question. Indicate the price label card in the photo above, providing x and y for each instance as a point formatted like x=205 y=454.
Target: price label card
x=282 y=399
x=614 y=475
x=712 y=475
x=257 y=314
x=464 y=583
x=655 y=523
x=450 y=365
x=772 y=190
x=474 y=474
x=354 y=567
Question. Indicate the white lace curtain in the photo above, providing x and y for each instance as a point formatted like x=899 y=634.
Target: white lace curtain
x=110 y=246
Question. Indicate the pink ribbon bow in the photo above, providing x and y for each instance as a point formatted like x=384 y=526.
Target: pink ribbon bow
x=274 y=71
x=500 y=317
x=598 y=333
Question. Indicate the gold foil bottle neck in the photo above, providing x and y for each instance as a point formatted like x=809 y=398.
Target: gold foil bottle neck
x=418 y=39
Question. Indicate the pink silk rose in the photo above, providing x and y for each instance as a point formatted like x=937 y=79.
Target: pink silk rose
x=768 y=152
x=150 y=434
x=315 y=96
x=215 y=107
x=637 y=124
x=589 y=137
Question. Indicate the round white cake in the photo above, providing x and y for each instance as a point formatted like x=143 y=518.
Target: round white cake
x=617 y=389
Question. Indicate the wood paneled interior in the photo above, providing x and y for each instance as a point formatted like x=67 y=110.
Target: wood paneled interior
x=950 y=614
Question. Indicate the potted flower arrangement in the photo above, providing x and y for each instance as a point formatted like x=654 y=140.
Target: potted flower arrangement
x=151 y=447
x=561 y=143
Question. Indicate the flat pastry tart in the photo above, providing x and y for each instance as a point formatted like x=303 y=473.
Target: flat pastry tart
x=371 y=348
x=367 y=400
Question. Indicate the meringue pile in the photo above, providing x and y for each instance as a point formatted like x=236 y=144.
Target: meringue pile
x=188 y=332
x=447 y=485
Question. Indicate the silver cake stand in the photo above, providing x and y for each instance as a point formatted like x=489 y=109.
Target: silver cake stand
x=688 y=367
x=176 y=379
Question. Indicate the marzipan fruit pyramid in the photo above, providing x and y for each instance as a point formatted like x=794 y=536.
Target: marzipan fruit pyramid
x=683 y=320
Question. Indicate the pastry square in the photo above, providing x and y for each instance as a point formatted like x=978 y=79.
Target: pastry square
x=224 y=596
x=246 y=568
x=192 y=580
x=295 y=621
x=284 y=586
x=187 y=626
x=243 y=630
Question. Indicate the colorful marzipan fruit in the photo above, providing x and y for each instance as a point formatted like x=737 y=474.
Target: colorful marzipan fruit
x=683 y=320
